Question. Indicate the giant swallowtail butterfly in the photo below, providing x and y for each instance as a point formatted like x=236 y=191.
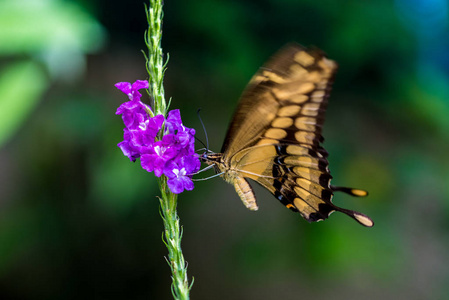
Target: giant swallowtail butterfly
x=275 y=136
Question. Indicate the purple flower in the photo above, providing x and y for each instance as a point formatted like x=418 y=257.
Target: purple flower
x=174 y=121
x=158 y=155
x=147 y=131
x=135 y=141
x=127 y=146
x=132 y=90
x=185 y=137
x=134 y=111
x=173 y=156
x=178 y=172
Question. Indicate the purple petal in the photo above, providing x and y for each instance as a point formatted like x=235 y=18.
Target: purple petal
x=176 y=185
x=128 y=150
x=155 y=123
x=174 y=116
x=159 y=168
x=168 y=139
x=125 y=87
x=139 y=138
x=168 y=169
x=174 y=121
x=132 y=90
x=147 y=162
x=151 y=162
x=179 y=184
x=183 y=138
x=192 y=164
x=140 y=84
x=187 y=183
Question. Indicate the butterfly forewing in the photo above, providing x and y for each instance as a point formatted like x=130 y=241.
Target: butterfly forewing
x=290 y=91
x=275 y=135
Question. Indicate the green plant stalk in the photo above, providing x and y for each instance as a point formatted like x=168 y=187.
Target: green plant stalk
x=154 y=61
x=172 y=239
x=168 y=201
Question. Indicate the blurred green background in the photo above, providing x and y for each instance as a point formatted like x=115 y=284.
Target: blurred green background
x=79 y=221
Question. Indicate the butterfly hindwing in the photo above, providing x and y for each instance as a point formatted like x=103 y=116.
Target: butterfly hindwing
x=275 y=135
x=297 y=179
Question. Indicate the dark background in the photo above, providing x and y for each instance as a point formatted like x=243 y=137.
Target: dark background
x=79 y=221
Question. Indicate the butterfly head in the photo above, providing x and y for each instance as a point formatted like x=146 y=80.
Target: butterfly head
x=215 y=159
x=211 y=158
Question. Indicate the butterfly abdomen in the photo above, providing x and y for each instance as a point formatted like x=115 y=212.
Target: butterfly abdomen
x=245 y=193
x=231 y=176
x=241 y=185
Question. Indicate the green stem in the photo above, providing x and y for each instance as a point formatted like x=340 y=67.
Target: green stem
x=172 y=239
x=154 y=61
x=172 y=233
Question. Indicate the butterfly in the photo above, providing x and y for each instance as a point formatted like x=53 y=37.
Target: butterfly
x=275 y=136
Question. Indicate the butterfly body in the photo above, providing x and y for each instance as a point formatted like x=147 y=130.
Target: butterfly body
x=275 y=136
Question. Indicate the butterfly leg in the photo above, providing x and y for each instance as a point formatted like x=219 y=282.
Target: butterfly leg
x=202 y=170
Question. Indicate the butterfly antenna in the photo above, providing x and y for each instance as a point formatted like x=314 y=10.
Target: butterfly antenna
x=204 y=129
x=201 y=143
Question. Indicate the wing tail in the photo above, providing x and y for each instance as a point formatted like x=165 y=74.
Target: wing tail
x=350 y=191
x=359 y=217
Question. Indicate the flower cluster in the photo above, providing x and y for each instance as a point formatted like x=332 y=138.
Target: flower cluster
x=164 y=145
